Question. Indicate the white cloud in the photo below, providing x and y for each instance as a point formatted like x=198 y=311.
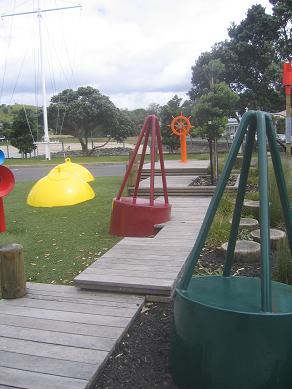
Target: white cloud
x=135 y=51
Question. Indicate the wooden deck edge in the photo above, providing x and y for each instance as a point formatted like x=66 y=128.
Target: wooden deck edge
x=195 y=172
x=187 y=190
x=115 y=288
x=101 y=367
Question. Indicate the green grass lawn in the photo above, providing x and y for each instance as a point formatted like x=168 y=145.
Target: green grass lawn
x=39 y=161
x=55 y=161
x=60 y=242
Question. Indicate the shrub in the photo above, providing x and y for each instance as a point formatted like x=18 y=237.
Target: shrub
x=220 y=229
x=283 y=263
x=276 y=214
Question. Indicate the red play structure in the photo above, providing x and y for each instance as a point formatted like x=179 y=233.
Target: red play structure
x=6 y=185
x=287 y=77
x=133 y=216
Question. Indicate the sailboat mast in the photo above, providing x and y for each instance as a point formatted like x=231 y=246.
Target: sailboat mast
x=39 y=12
x=44 y=92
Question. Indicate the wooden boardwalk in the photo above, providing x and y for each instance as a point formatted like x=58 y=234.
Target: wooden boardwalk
x=58 y=337
x=149 y=266
x=177 y=168
x=179 y=186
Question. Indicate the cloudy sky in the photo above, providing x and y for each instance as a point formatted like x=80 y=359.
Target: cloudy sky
x=135 y=51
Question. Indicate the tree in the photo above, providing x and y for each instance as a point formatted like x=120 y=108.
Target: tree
x=168 y=111
x=200 y=77
x=252 y=58
x=211 y=112
x=137 y=117
x=212 y=71
x=23 y=131
x=252 y=45
x=282 y=10
x=154 y=109
x=85 y=113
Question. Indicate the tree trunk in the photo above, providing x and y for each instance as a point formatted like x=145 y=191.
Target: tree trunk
x=216 y=159
x=211 y=160
x=84 y=145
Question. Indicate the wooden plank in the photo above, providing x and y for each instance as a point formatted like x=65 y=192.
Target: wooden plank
x=157 y=248
x=144 y=290
x=155 y=245
x=183 y=241
x=181 y=228
x=167 y=275
x=175 y=262
x=160 y=241
x=57 y=338
x=52 y=366
x=44 y=297
x=65 y=290
x=142 y=281
x=129 y=252
x=67 y=353
x=31 y=380
x=171 y=234
x=133 y=266
x=60 y=326
x=146 y=258
x=65 y=316
x=154 y=248
x=71 y=307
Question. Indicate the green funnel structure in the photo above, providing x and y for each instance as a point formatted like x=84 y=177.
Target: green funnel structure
x=236 y=332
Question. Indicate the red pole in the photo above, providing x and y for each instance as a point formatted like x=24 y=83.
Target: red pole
x=160 y=150
x=147 y=131
x=130 y=165
x=152 y=172
x=2 y=217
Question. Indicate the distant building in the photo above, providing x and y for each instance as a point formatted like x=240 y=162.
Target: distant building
x=231 y=128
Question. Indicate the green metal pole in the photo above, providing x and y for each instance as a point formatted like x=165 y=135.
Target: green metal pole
x=279 y=174
x=239 y=200
x=200 y=241
x=266 y=282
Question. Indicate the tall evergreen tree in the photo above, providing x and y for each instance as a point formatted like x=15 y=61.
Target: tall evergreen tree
x=252 y=58
x=23 y=131
x=173 y=108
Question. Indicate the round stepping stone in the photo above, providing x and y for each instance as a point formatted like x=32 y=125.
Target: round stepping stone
x=276 y=236
x=247 y=223
x=238 y=162
x=245 y=251
x=253 y=207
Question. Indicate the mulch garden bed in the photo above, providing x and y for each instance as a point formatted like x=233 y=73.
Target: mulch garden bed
x=142 y=359
x=206 y=181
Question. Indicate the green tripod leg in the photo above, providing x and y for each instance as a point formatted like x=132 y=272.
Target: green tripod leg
x=239 y=201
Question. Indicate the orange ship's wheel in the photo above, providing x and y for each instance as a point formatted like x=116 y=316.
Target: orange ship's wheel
x=180 y=125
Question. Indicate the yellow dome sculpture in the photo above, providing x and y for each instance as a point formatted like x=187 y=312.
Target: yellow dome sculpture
x=59 y=188
x=77 y=169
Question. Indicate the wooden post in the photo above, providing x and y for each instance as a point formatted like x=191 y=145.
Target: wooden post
x=12 y=274
x=288 y=124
